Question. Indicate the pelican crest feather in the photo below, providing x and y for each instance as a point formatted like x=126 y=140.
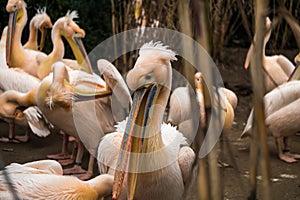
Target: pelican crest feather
x=151 y=47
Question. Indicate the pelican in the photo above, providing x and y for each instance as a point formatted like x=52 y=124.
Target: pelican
x=160 y=160
x=54 y=100
x=16 y=55
x=66 y=27
x=182 y=111
x=44 y=180
x=281 y=117
x=31 y=118
x=41 y=21
x=278 y=68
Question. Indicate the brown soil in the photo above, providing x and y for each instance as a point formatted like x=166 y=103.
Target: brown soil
x=285 y=182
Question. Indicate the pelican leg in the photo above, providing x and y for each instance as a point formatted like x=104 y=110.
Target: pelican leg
x=281 y=154
x=90 y=170
x=11 y=134
x=77 y=169
x=286 y=149
x=64 y=152
x=23 y=138
x=72 y=157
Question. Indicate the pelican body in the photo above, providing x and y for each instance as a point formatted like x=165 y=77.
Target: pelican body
x=277 y=68
x=281 y=116
x=44 y=180
x=149 y=160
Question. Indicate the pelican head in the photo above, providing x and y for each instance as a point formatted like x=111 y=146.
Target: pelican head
x=73 y=34
x=15 y=8
x=14 y=5
x=198 y=79
x=42 y=22
x=150 y=80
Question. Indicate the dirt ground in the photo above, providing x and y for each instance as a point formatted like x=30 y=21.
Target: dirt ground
x=285 y=182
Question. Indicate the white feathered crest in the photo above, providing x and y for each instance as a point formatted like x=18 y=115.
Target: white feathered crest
x=72 y=15
x=40 y=17
x=158 y=46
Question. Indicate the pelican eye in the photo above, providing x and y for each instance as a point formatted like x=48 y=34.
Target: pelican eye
x=148 y=77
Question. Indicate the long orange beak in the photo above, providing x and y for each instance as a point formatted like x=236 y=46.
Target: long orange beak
x=133 y=138
x=43 y=38
x=10 y=33
x=80 y=53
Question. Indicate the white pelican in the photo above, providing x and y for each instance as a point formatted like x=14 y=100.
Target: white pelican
x=16 y=55
x=278 y=68
x=53 y=98
x=41 y=21
x=282 y=117
x=161 y=153
x=183 y=112
x=66 y=27
x=184 y=115
x=44 y=180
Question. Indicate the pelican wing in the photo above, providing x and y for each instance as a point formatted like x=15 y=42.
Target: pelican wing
x=186 y=158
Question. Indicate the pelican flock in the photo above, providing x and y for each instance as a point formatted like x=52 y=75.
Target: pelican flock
x=137 y=131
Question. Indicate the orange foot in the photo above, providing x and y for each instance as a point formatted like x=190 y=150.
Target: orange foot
x=66 y=162
x=287 y=158
x=292 y=155
x=77 y=169
x=10 y=140
x=60 y=156
x=84 y=176
x=22 y=138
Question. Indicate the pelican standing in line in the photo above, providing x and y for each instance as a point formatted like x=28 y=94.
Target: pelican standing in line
x=16 y=55
x=44 y=180
x=278 y=68
x=281 y=117
x=158 y=156
x=41 y=21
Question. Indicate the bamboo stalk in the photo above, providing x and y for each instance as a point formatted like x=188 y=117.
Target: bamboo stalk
x=201 y=23
x=186 y=27
x=258 y=95
x=114 y=32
